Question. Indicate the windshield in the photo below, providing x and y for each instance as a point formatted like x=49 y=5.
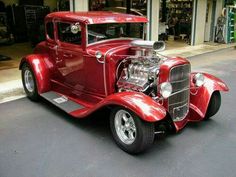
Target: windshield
x=99 y=32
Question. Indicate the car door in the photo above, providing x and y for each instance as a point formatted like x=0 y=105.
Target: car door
x=70 y=60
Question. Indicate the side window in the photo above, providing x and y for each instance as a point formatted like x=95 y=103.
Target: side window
x=50 y=30
x=65 y=33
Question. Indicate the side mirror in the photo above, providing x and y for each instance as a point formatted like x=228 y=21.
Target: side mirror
x=75 y=28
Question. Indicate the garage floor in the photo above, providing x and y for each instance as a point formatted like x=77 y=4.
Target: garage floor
x=16 y=52
x=39 y=140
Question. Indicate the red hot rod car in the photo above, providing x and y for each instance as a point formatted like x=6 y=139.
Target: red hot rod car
x=92 y=60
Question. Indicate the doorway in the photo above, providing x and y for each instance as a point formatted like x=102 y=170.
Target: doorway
x=176 y=17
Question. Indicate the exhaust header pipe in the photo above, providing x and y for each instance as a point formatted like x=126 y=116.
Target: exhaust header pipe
x=154 y=45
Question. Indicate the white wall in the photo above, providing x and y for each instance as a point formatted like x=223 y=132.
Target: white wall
x=200 y=22
x=209 y=21
x=154 y=19
x=80 y=5
x=201 y=19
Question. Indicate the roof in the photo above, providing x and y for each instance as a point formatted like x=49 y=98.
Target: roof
x=97 y=17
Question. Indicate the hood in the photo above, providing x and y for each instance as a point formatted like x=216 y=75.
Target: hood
x=109 y=46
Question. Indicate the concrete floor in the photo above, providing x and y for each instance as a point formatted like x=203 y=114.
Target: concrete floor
x=37 y=139
x=175 y=44
x=16 y=52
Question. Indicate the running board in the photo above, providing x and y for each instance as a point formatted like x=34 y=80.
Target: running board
x=61 y=101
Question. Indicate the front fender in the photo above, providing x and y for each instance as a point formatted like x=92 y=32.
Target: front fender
x=40 y=69
x=200 y=97
x=142 y=105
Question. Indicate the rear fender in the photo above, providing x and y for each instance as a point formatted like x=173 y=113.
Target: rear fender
x=200 y=97
x=142 y=105
x=40 y=70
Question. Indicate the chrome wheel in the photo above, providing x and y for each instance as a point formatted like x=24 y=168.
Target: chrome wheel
x=125 y=127
x=29 y=80
x=130 y=132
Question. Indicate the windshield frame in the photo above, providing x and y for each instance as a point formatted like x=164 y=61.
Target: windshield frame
x=119 y=38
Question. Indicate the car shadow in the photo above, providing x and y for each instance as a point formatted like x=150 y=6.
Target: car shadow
x=98 y=120
x=98 y=124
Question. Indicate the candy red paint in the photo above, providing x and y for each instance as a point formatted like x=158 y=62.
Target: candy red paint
x=73 y=70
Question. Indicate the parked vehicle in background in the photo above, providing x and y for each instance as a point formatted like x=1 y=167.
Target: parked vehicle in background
x=92 y=60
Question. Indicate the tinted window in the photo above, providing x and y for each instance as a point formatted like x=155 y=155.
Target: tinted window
x=65 y=34
x=50 y=30
x=99 y=32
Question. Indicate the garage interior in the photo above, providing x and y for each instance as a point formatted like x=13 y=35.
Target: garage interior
x=21 y=28
x=22 y=24
x=175 y=17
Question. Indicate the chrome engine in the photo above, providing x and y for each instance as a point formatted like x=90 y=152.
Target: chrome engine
x=140 y=72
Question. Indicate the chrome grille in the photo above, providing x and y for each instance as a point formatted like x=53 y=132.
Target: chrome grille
x=178 y=104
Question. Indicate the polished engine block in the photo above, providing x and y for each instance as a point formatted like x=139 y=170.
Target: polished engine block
x=140 y=73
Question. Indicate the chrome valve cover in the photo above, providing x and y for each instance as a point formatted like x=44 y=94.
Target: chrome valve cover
x=139 y=73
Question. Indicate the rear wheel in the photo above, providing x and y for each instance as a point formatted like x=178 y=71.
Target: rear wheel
x=214 y=105
x=29 y=82
x=131 y=134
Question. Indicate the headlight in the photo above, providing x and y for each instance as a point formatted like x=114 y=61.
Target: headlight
x=165 y=89
x=198 y=79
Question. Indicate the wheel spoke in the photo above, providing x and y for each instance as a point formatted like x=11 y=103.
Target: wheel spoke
x=133 y=128
x=122 y=128
x=131 y=134
x=125 y=126
x=125 y=118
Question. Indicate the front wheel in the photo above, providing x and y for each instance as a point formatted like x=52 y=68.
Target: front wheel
x=131 y=134
x=214 y=105
x=29 y=82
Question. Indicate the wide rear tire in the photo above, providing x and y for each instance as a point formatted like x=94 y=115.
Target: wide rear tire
x=29 y=82
x=214 y=105
x=130 y=133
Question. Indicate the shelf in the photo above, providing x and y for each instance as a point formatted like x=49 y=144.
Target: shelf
x=182 y=8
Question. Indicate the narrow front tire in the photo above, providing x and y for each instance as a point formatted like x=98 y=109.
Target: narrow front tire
x=29 y=82
x=214 y=105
